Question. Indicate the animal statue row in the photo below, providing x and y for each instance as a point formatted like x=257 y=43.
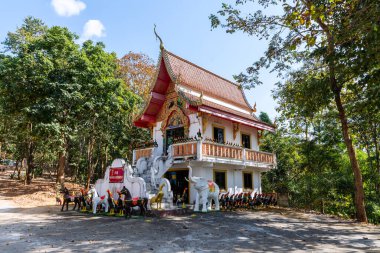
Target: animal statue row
x=207 y=191
x=78 y=200
x=246 y=200
x=123 y=205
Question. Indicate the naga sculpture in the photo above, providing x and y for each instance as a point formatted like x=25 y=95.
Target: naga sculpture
x=161 y=164
x=207 y=191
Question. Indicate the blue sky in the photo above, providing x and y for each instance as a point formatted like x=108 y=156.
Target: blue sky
x=127 y=25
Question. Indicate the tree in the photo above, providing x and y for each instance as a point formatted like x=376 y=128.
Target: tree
x=22 y=77
x=40 y=87
x=337 y=35
x=137 y=70
x=265 y=118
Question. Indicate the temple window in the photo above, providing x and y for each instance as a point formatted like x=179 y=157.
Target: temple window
x=247 y=180
x=220 y=178
x=246 y=140
x=219 y=134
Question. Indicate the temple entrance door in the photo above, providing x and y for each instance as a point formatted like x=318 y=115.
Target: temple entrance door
x=178 y=183
x=173 y=133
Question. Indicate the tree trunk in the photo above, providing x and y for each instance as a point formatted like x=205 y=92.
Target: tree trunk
x=30 y=163
x=336 y=89
x=61 y=168
x=359 y=191
x=62 y=163
x=377 y=155
x=90 y=167
x=106 y=159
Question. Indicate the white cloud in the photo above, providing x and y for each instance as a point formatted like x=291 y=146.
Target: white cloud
x=68 y=8
x=93 y=28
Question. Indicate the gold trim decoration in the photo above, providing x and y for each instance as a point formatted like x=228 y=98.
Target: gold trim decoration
x=151 y=129
x=254 y=108
x=235 y=128
x=204 y=122
x=176 y=113
x=259 y=135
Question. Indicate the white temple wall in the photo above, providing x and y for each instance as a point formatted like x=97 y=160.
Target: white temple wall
x=218 y=122
x=194 y=125
x=228 y=131
x=252 y=132
x=257 y=181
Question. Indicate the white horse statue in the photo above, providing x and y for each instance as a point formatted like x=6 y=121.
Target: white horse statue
x=96 y=200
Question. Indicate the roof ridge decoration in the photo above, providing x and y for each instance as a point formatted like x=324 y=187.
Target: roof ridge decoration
x=158 y=37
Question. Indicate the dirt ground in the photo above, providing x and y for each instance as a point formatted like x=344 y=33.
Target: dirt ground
x=30 y=222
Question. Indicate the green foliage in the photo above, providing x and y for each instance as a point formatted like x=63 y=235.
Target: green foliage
x=264 y=117
x=61 y=99
x=328 y=53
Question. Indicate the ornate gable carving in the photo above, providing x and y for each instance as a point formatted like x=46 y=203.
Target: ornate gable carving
x=173 y=112
x=176 y=117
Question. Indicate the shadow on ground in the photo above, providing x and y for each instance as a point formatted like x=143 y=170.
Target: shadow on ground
x=46 y=229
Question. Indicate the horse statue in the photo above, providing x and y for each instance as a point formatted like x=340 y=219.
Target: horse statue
x=130 y=202
x=67 y=198
x=96 y=200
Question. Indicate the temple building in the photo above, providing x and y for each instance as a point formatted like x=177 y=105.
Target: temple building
x=200 y=119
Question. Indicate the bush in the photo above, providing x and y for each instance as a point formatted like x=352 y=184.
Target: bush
x=373 y=212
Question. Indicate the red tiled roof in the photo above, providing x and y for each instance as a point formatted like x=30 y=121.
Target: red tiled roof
x=203 y=80
x=198 y=79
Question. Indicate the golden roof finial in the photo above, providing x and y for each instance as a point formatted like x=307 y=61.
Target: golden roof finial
x=254 y=107
x=158 y=37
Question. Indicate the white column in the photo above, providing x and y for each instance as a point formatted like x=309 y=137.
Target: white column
x=199 y=150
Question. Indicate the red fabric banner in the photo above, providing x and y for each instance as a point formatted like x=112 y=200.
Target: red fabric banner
x=116 y=175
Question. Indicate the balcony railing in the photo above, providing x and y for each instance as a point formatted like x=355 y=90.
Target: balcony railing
x=214 y=152
x=221 y=151
x=138 y=153
x=188 y=149
x=257 y=156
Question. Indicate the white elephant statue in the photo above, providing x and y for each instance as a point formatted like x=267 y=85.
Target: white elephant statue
x=207 y=190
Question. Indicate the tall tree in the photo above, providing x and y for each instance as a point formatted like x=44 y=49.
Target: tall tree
x=22 y=77
x=333 y=32
x=137 y=70
x=40 y=86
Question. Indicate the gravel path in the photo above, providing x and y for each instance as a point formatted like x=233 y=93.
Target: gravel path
x=46 y=229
